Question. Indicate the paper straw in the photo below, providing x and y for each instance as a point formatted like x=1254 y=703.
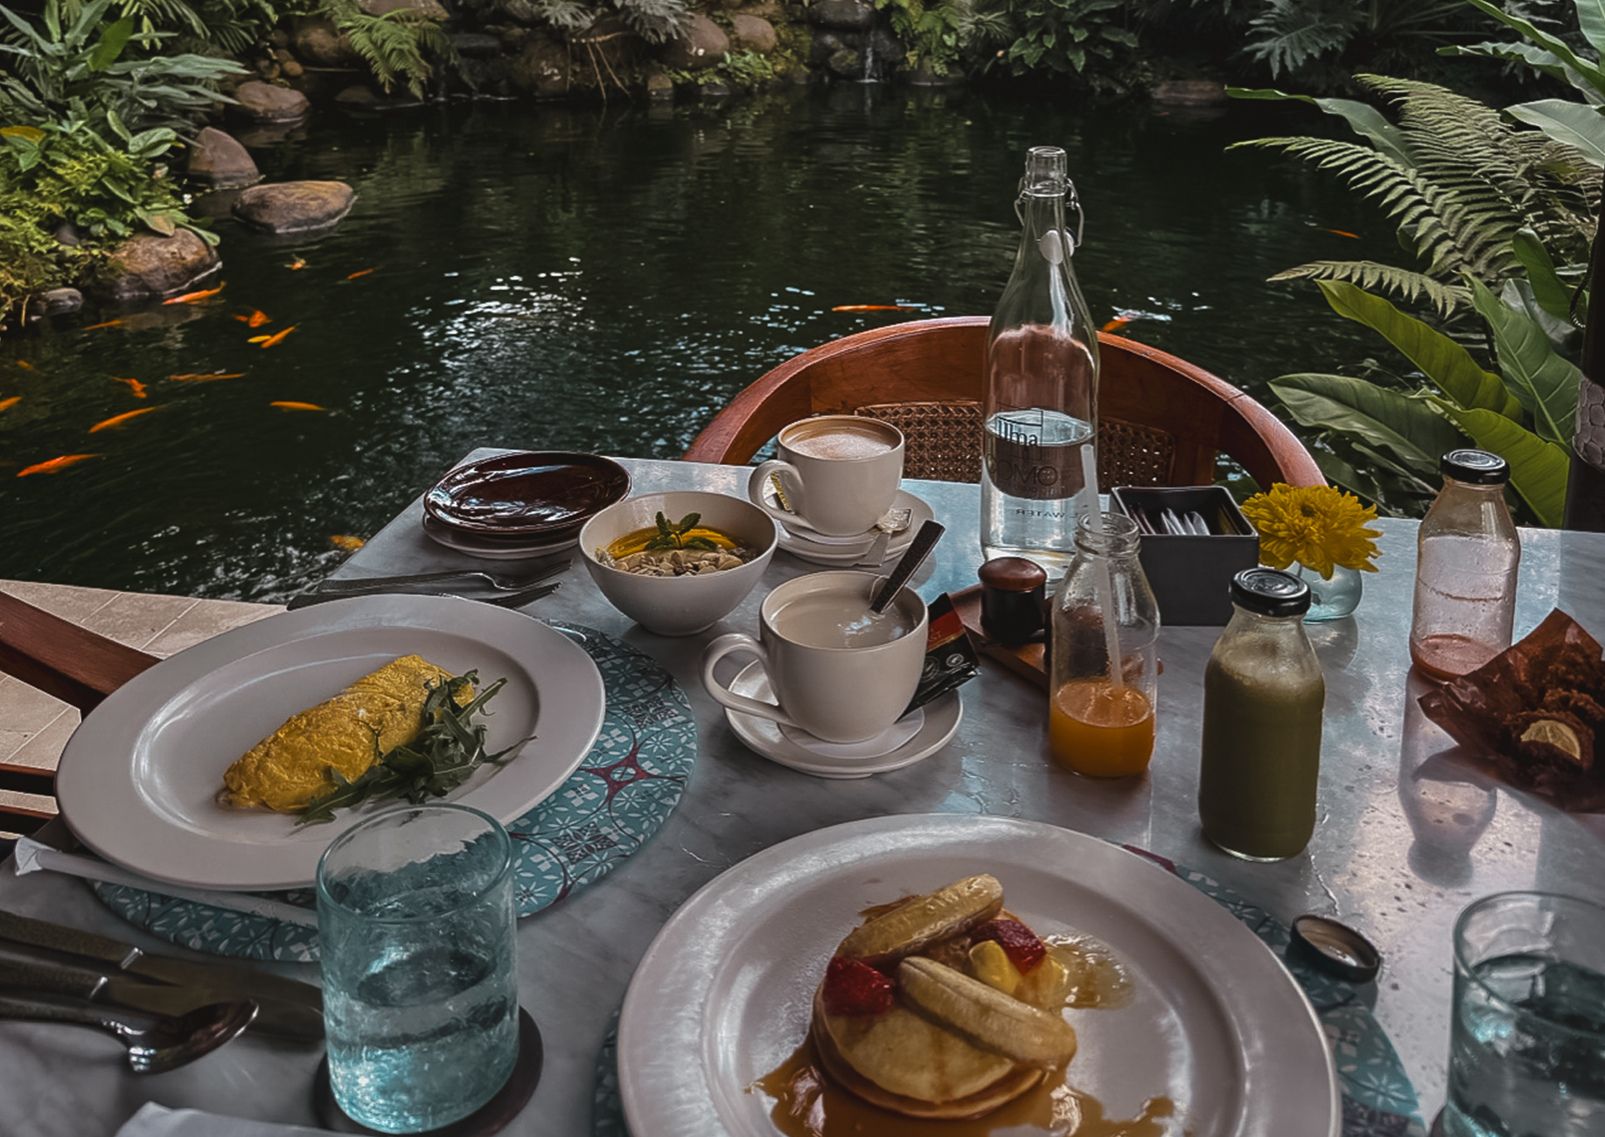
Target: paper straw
x=1103 y=585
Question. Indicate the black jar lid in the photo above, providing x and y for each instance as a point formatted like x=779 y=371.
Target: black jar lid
x=1334 y=948
x=1270 y=592
x=1478 y=467
x=1013 y=574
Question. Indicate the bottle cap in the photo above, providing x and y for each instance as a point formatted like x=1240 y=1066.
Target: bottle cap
x=1047 y=171
x=1334 y=948
x=1270 y=592
x=1478 y=467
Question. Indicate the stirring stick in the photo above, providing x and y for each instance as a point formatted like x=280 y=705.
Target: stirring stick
x=913 y=557
x=1102 y=584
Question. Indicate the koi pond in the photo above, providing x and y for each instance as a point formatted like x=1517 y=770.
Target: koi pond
x=605 y=279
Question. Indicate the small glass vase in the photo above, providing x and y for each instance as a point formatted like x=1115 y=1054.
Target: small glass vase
x=1331 y=597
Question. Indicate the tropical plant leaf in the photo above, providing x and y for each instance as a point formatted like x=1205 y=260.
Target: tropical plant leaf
x=1552 y=294
x=1402 y=282
x=1366 y=120
x=1544 y=382
x=1538 y=468
x=1571 y=124
x=1529 y=55
x=1441 y=359
x=111 y=44
x=1591 y=22
x=1550 y=43
x=1407 y=428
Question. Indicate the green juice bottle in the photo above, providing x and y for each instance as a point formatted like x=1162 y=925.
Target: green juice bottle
x=1263 y=698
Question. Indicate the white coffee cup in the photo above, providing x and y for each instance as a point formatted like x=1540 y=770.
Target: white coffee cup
x=838 y=673
x=839 y=473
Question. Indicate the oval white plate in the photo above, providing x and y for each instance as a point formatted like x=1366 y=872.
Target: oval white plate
x=137 y=779
x=723 y=995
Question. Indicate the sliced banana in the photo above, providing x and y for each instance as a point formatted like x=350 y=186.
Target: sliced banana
x=925 y=920
x=984 y=1016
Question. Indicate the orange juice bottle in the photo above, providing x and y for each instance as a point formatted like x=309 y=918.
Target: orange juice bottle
x=1101 y=716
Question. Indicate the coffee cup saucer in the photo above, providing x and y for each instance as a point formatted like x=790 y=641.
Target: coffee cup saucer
x=936 y=723
x=844 y=551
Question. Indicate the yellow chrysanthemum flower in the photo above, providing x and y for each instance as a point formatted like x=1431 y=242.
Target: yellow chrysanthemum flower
x=1317 y=526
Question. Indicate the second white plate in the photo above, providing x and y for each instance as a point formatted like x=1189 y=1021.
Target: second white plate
x=138 y=779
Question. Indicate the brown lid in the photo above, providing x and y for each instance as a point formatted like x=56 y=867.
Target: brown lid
x=1013 y=574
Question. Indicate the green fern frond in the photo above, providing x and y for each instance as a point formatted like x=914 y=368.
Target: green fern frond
x=396 y=46
x=1374 y=276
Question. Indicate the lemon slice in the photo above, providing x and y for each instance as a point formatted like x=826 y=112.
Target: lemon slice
x=1556 y=734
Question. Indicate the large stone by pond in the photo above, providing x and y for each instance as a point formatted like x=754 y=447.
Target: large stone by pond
x=319 y=43
x=701 y=43
x=846 y=15
x=1190 y=93
x=264 y=102
x=148 y=267
x=542 y=68
x=428 y=9
x=294 y=207
x=753 y=33
x=220 y=161
x=56 y=302
x=476 y=45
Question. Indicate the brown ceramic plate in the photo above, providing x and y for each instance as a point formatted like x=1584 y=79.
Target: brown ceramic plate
x=526 y=493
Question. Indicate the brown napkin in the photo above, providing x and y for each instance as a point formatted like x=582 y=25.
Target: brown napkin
x=1537 y=712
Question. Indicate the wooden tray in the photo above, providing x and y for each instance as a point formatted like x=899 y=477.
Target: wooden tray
x=1029 y=662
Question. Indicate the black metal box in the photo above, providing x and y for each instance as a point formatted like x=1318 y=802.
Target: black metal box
x=1191 y=575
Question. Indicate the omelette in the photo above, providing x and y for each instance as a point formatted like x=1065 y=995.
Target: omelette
x=348 y=733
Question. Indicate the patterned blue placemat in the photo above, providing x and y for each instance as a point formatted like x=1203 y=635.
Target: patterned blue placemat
x=622 y=792
x=1378 y=1098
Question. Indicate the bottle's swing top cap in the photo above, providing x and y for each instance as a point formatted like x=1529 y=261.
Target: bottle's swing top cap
x=1478 y=467
x=1270 y=592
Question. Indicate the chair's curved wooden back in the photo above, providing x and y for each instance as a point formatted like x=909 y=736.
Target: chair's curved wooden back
x=942 y=361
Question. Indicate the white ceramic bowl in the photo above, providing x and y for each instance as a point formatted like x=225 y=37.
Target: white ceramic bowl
x=679 y=605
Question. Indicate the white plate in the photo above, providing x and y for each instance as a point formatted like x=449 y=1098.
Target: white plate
x=939 y=721
x=137 y=780
x=802 y=546
x=723 y=995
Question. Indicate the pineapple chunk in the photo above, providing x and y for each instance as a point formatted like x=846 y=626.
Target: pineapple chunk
x=1046 y=986
x=992 y=966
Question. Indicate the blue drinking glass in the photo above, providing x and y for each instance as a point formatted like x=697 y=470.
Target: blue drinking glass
x=420 y=995
x=1527 y=1042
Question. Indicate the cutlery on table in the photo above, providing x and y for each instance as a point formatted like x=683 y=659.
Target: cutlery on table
x=913 y=557
x=504 y=581
x=500 y=600
x=232 y=979
x=163 y=1043
x=25 y=972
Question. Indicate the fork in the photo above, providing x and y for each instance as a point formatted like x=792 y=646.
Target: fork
x=508 y=600
x=505 y=582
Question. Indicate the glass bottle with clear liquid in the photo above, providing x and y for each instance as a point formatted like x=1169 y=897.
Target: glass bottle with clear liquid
x=1041 y=409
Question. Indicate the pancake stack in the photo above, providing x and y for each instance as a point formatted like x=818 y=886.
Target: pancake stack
x=943 y=1006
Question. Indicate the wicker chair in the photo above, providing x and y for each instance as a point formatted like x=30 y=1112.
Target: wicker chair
x=1162 y=421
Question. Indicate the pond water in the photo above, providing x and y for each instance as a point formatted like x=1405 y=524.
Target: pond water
x=605 y=279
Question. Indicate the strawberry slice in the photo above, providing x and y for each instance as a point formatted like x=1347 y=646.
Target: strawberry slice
x=853 y=987
x=1019 y=942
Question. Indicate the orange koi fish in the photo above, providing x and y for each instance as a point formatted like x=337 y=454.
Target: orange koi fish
x=25 y=365
x=296 y=264
x=254 y=319
x=1344 y=233
x=873 y=308
x=55 y=465
x=102 y=324
x=1117 y=323
x=118 y=420
x=360 y=273
x=7 y=404
x=194 y=297
x=205 y=376
x=133 y=385
x=347 y=542
x=291 y=405
x=265 y=342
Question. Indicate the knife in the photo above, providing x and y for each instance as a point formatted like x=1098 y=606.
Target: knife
x=24 y=972
x=234 y=980
x=500 y=600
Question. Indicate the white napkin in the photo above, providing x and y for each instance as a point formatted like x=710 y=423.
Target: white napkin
x=158 y=1121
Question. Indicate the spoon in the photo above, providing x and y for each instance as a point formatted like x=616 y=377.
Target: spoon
x=908 y=564
x=165 y=1044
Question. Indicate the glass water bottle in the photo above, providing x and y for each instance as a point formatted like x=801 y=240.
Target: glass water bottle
x=1101 y=720
x=1467 y=556
x=1041 y=409
x=1264 y=697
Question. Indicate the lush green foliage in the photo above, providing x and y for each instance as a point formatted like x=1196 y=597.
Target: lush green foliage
x=81 y=68
x=936 y=32
x=1288 y=35
x=1057 y=37
x=1458 y=179
x=397 y=46
x=229 y=26
x=741 y=70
